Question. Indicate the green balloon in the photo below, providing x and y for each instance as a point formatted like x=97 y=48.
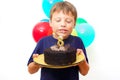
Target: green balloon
x=80 y=20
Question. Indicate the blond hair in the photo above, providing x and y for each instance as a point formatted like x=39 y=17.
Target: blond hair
x=66 y=7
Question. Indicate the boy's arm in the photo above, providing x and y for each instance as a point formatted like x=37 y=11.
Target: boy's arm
x=83 y=65
x=33 y=67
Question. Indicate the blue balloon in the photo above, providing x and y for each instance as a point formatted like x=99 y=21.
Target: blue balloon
x=44 y=20
x=47 y=5
x=86 y=33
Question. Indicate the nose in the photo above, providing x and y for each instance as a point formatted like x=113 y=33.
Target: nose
x=63 y=24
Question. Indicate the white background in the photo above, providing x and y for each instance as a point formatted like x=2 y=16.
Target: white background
x=18 y=17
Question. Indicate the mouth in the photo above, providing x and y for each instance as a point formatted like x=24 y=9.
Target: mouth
x=63 y=31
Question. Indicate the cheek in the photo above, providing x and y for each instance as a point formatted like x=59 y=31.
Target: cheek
x=70 y=29
x=53 y=24
x=54 y=29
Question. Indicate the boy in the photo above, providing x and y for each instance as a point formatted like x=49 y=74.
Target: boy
x=62 y=20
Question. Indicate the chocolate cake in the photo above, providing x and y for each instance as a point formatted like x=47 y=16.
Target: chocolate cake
x=60 y=55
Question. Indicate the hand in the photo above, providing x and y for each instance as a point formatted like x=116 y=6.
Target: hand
x=35 y=55
x=80 y=52
x=83 y=65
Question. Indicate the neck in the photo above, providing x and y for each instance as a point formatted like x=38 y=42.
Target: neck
x=58 y=36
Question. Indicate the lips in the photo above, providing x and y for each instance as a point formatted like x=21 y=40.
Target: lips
x=62 y=30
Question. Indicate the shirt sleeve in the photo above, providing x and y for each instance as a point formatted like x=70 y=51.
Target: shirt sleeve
x=38 y=50
x=81 y=46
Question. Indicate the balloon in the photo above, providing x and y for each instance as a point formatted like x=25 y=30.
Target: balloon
x=47 y=5
x=86 y=33
x=44 y=20
x=80 y=20
x=74 y=33
x=40 y=30
x=50 y=31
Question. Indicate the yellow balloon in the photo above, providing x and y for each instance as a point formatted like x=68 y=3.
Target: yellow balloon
x=74 y=33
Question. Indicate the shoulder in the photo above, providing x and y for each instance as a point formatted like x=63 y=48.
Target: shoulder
x=77 y=41
x=76 y=38
x=45 y=38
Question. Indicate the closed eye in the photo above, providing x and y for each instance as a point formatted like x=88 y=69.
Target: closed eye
x=68 y=21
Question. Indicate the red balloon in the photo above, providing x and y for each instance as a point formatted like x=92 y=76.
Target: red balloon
x=40 y=30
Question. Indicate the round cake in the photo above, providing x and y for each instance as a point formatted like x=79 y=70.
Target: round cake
x=60 y=56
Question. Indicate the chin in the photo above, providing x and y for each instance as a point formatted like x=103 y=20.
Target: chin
x=63 y=35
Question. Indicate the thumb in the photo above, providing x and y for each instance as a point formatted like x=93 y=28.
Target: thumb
x=79 y=51
x=35 y=55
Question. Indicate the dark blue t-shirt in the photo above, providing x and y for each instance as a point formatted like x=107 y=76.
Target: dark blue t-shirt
x=71 y=73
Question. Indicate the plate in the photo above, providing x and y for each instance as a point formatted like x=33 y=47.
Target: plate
x=40 y=60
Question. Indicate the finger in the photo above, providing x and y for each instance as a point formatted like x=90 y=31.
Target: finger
x=35 y=55
x=79 y=51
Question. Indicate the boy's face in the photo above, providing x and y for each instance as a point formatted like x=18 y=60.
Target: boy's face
x=62 y=24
